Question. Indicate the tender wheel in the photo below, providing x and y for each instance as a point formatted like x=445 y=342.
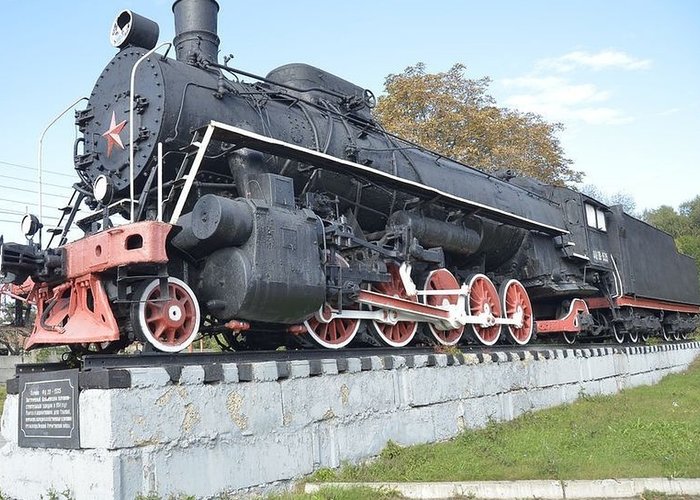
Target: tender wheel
x=665 y=334
x=569 y=337
x=515 y=301
x=618 y=334
x=633 y=337
x=171 y=324
x=401 y=333
x=338 y=332
x=644 y=337
x=684 y=336
x=676 y=335
x=483 y=298
x=442 y=279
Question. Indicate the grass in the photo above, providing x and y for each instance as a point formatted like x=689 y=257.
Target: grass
x=355 y=493
x=642 y=432
x=3 y=395
x=324 y=494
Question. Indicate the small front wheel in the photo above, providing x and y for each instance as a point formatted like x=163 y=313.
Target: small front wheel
x=169 y=323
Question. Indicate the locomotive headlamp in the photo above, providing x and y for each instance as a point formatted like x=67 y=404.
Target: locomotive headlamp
x=102 y=189
x=130 y=28
x=30 y=225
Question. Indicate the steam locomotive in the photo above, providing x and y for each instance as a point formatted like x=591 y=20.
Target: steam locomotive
x=261 y=209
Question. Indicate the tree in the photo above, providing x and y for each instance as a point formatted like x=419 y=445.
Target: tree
x=617 y=198
x=455 y=116
x=12 y=332
x=16 y=316
x=683 y=225
x=666 y=219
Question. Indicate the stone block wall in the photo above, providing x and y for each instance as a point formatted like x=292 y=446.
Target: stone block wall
x=204 y=430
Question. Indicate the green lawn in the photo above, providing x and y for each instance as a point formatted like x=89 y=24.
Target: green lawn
x=3 y=395
x=643 y=432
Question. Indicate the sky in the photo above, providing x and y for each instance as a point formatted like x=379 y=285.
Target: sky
x=622 y=76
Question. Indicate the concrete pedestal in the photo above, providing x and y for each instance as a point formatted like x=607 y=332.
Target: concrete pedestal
x=204 y=430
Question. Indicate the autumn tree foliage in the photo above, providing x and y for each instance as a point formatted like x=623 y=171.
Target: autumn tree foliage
x=455 y=116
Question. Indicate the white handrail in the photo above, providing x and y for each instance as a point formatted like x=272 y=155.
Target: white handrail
x=160 y=182
x=132 y=90
x=189 y=181
x=40 y=155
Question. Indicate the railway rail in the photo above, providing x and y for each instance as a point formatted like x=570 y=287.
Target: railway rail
x=149 y=359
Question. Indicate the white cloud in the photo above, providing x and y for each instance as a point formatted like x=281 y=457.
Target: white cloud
x=559 y=89
x=561 y=97
x=605 y=59
x=561 y=100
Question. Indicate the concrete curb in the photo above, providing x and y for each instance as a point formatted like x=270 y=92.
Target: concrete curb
x=544 y=489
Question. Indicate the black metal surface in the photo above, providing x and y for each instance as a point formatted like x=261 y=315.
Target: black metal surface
x=219 y=222
x=162 y=359
x=92 y=362
x=649 y=263
x=195 y=30
x=104 y=379
x=267 y=278
x=24 y=368
x=130 y=28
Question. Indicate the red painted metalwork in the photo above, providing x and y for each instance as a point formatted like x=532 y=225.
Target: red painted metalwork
x=442 y=279
x=514 y=299
x=399 y=304
x=629 y=301
x=402 y=332
x=483 y=298
x=297 y=329
x=568 y=323
x=337 y=332
x=112 y=134
x=78 y=311
x=237 y=326
x=18 y=292
x=75 y=312
x=119 y=246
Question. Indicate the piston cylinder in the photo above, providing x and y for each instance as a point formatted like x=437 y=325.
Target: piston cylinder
x=454 y=238
x=221 y=222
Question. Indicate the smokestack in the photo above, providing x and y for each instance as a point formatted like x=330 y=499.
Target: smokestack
x=195 y=30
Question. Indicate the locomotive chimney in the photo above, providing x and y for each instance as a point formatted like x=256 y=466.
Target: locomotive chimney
x=195 y=30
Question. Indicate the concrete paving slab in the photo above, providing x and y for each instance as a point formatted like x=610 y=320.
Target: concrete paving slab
x=543 y=489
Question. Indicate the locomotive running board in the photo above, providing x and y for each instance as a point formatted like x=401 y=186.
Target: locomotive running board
x=246 y=139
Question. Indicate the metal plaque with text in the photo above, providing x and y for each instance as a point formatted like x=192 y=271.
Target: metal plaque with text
x=48 y=410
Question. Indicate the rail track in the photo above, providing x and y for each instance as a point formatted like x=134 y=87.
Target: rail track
x=149 y=359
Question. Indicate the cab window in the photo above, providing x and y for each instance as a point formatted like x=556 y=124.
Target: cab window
x=595 y=217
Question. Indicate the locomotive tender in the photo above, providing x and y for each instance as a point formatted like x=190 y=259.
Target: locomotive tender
x=278 y=207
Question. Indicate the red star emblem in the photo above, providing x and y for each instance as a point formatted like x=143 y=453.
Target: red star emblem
x=112 y=134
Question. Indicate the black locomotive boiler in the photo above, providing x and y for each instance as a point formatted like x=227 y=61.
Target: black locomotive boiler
x=265 y=208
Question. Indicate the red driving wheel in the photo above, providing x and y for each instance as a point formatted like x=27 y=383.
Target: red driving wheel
x=442 y=279
x=401 y=333
x=515 y=300
x=483 y=298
